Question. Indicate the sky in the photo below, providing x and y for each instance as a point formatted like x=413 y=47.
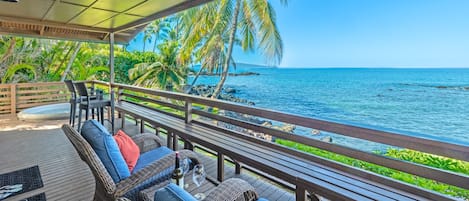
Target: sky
x=371 y=33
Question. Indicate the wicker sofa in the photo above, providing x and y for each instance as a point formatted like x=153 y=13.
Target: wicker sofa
x=154 y=173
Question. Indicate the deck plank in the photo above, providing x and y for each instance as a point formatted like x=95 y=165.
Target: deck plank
x=66 y=177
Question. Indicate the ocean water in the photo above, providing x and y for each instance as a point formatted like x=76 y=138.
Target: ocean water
x=428 y=103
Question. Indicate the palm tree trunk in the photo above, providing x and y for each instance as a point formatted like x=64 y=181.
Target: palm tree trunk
x=226 y=65
x=154 y=44
x=144 y=43
x=70 y=62
x=9 y=51
x=197 y=76
x=57 y=68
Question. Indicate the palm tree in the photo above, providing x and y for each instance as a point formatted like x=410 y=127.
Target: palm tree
x=90 y=62
x=158 y=29
x=165 y=73
x=223 y=24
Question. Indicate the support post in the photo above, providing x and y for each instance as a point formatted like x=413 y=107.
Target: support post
x=300 y=193
x=157 y=130
x=237 y=167
x=13 y=99
x=188 y=111
x=168 y=139
x=221 y=167
x=111 y=60
x=122 y=119
x=111 y=78
x=119 y=100
x=175 y=142
x=188 y=145
x=142 y=126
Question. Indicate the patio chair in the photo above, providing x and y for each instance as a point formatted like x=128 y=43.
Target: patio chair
x=75 y=100
x=153 y=172
x=88 y=102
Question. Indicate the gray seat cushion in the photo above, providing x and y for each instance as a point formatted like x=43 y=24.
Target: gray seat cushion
x=151 y=156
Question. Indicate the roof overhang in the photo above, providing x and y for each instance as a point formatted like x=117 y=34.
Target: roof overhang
x=85 y=20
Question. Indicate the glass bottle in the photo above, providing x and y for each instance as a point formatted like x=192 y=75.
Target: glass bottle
x=178 y=174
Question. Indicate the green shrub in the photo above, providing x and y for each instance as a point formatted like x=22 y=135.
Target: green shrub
x=403 y=154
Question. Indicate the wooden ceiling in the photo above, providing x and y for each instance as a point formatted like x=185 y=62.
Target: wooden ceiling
x=85 y=20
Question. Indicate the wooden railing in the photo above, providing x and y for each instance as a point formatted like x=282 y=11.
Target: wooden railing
x=16 y=97
x=189 y=108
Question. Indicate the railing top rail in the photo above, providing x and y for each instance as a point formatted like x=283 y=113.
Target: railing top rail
x=453 y=150
x=32 y=84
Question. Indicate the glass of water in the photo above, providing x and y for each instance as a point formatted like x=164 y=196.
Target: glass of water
x=198 y=177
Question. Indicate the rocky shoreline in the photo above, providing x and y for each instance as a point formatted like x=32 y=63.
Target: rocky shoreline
x=229 y=74
x=228 y=95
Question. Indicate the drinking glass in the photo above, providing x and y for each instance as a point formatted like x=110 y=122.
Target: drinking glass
x=185 y=165
x=198 y=177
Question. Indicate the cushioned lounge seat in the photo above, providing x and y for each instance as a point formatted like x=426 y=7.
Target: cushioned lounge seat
x=151 y=156
x=109 y=188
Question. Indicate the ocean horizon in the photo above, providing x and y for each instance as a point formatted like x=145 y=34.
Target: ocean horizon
x=423 y=102
x=246 y=66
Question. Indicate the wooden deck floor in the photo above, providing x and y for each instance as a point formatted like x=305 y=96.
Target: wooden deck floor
x=66 y=177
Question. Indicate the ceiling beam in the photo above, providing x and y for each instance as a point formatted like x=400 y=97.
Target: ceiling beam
x=63 y=36
x=180 y=7
x=53 y=24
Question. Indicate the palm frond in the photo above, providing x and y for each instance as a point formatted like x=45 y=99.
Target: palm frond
x=16 y=69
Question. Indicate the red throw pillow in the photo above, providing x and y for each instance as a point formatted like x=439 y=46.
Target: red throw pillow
x=128 y=148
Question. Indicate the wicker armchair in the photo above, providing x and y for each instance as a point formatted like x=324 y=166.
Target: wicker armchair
x=106 y=188
x=232 y=189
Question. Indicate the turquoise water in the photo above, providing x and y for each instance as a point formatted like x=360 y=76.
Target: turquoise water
x=429 y=103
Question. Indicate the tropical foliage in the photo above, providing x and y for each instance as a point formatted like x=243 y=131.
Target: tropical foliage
x=204 y=35
x=34 y=60
x=211 y=32
x=164 y=73
x=403 y=154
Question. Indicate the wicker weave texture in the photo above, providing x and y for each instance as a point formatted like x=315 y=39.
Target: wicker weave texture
x=233 y=190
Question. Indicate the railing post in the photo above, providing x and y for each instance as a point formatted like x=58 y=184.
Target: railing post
x=119 y=92
x=300 y=193
x=119 y=99
x=175 y=142
x=142 y=126
x=157 y=130
x=13 y=99
x=188 y=111
x=188 y=145
x=221 y=167
x=169 y=143
x=237 y=167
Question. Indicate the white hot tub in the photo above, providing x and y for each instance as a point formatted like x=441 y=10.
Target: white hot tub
x=53 y=111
